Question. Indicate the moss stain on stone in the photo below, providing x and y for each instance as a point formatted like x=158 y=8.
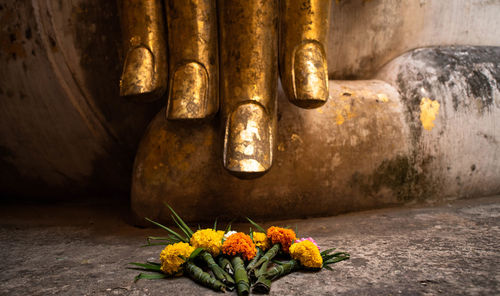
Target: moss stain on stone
x=401 y=177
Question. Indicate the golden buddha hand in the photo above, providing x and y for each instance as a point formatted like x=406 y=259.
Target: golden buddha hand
x=248 y=38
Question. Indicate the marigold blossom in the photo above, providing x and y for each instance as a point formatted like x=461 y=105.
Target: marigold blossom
x=307 y=253
x=170 y=260
x=208 y=239
x=239 y=244
x=309 y=239
x=228 y=234
x=283 y=236
x=260 y=239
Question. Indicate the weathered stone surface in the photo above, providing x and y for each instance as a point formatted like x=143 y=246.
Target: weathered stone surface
x=449 y=249
x=61 y=66
x=431 y=136
x=63 y=126
x=365 y=35
x=323 y=164
x=464 y=83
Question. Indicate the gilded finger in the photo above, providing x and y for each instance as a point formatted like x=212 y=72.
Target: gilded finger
x=249 y=84
x=144 y=75
x=193 y=59
x=304 y=72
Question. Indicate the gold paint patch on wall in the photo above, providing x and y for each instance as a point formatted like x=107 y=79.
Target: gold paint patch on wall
x=429 y=109
x=343 y=107
x=383 y=98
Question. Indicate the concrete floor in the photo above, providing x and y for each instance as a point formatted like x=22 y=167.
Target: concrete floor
x=448 y=249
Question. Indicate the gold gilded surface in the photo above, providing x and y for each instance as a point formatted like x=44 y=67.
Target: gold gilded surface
x=248 y=84
x=188 y=97
x=247 y=143
x=144 y=73
x=247 y=32
x=193 y=59
x=304 y=72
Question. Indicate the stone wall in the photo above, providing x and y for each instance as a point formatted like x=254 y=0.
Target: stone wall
x=64 y=131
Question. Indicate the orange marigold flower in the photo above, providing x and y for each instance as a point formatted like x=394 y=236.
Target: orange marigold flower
x=283 y=236
x=239 y=244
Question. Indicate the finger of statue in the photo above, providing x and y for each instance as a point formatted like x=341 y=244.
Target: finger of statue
x=303 y=65
x=193 y=59
x=144 y=73
x=248 y=32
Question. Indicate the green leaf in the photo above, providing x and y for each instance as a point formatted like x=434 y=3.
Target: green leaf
x=256 y=225
x=175 y=234
x=157 y=238
x=147 y=266
x=332 y=261
x=335 y=260
x=154 y=263
x=195 y=253
x=186 y=232
x=215 y=224
x=335 y=255
x=167 y=240
x=228 y=227
x=327 y=251
x=327 y=267
x=338 y=254
x=251 y=234
x=326 y=257
x=184 y=226
x=149 y=276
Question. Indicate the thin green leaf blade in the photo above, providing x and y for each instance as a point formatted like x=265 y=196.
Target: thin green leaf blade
x=147 y=266
x=333 y=261
x=336 y=259
x=157 y=238
x=257 y=226
x=326 y=252
x=184 y=225
x=149 y=276
x=195 y=253
x=228 y=227
x=185 y=231
x=168 y=230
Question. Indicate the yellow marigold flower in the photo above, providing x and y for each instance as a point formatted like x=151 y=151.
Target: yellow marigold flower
x=239 y=244
x=208 y=239
x=170 y=260
x=284 y=236
x=261 y=241
x=307 y=253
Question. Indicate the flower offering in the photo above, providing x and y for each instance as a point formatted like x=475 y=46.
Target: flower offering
x=228 y=260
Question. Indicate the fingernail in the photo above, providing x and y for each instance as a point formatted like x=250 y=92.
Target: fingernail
x=138 y=72
x=310 y=76
x=247 y=142
x=188 y=95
